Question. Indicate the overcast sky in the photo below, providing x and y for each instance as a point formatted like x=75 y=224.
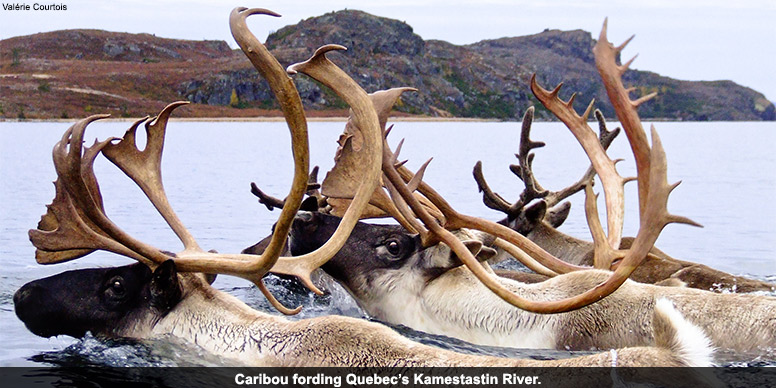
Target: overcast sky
x=690 y=40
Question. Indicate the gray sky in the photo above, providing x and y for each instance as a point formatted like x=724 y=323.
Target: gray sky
x=689 y=40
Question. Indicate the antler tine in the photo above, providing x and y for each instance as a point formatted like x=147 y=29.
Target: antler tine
x=605 y=167
x=144 y=168
x=605 y=57
x=490 y=198
x=603 y=254
x=365 y=119
x=408 y=216
x=265 y=199
x=313 y=187
x=523 y=171
x=526 y=144
x=273 y=202
x=606 y=138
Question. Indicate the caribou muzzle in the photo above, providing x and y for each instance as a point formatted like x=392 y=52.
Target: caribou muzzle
x=102 y=298
x=99 y=300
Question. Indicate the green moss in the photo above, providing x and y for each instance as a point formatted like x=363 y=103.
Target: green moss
x=44 y=87
x=480 y=104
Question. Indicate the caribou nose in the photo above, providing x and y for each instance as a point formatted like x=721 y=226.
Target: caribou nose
x=304 y=216
x=22 y=294
x=305 y=223
x=26 y=299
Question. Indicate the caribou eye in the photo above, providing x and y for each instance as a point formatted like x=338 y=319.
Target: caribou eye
x=393 y=246
x=117 y=286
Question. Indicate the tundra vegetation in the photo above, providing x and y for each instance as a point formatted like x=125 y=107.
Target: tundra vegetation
x=169 y=293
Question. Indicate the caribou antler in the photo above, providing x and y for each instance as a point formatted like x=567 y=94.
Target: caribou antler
x=524 y=171
x=611 y=74
x=612 y=182
x=653 y=219
x=272 y=202
x=365 y=119
x=605 y=137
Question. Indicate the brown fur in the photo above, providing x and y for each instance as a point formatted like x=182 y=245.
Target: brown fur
x=656 y=268
x=339 y=341
x=745 y=323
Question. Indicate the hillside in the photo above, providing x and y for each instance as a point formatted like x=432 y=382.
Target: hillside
x=75 y=73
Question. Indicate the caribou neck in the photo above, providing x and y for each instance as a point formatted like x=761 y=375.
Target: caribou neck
x=221 y=324
x=474 y=314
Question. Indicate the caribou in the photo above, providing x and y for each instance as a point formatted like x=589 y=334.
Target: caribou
x=395 y=279
x=134 y=302
x=412 y=274
x=538 y=213
x=169 y=293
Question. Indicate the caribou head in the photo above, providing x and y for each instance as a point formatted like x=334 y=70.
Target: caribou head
x=108 y=302
x=380 y=265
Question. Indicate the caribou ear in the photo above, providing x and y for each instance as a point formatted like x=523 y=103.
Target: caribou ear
x=473 y=246
x=310 y=204
x=530 y=217
x=436 y=265
x=165 y=287
x=535 y=213
x=486 y=253
x=558 y=214
x=476 y=248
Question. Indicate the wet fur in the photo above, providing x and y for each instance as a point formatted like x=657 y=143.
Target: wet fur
x=223 y=325
x=454 y=303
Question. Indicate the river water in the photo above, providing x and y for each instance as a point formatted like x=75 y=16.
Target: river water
x=727 y=169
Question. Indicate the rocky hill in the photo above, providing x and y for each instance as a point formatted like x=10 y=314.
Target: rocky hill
x=78 y=72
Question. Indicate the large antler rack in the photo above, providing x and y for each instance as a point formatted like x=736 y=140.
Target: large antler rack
x=653 y=219
x=612 y=182
x=76 y=223
x=339 y=181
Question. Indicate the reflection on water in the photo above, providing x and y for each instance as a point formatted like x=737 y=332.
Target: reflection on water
x=726 y=168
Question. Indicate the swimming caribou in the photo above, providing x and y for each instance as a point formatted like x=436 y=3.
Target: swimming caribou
x=169 y=294
x=537 y=214
x=403 y=275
